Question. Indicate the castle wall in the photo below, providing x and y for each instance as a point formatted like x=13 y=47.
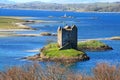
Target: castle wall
x=74 y=37
x=67 y=37
x=59 y=36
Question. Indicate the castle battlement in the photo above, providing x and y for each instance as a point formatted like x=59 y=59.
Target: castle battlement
x=67 y=37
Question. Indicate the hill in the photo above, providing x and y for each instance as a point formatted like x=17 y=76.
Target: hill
x=86 y=7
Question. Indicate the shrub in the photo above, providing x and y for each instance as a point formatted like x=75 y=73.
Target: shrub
x=57 y=72
x=106 y=72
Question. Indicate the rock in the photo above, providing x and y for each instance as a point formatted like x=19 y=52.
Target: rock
x=115 y=38
x=45 y=34
x=61 y=59
x=67 y=60
x=54 y=34
x=48 y=34
x=30 y=21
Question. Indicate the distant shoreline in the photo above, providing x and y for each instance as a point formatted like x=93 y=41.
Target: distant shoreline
x=74 y=7
x=59 y=10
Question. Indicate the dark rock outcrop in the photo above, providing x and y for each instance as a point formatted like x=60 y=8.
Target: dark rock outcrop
x=48 y=34
x=61 y=59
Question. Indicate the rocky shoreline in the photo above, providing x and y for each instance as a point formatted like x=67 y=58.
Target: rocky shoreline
x=7 y=34
x=48 y=53
x=61 y=59
x=22 y=26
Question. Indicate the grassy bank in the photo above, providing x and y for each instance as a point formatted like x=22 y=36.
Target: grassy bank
x=93 y=45
x=10 y=23
x=52 y=50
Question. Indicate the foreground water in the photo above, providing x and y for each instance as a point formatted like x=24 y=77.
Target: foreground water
x=90 y=26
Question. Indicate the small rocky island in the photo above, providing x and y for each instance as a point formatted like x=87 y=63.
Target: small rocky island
x=67 y=49
x=93 y=45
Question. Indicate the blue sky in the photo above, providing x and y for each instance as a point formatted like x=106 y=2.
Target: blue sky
x=68 y=1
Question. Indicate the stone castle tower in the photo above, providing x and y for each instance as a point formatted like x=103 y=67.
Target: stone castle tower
x=67 y=37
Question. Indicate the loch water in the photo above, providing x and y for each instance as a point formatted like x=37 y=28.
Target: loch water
x=90 y=26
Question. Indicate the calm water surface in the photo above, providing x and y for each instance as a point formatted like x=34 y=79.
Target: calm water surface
x=90 y=26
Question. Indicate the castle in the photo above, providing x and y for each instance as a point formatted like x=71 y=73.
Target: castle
x=67 y=37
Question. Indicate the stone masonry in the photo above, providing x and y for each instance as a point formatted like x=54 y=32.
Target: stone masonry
x=67 y=37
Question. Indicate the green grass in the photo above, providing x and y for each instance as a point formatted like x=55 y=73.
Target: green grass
x=91 y=44
x=9 y=23
x=52 y=50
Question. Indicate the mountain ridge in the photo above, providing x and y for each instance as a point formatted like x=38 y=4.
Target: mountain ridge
x=80 y=7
